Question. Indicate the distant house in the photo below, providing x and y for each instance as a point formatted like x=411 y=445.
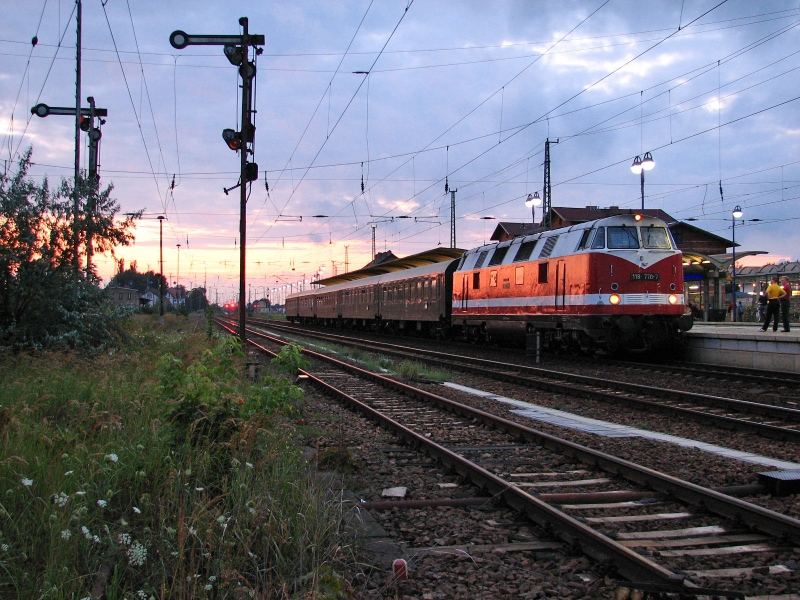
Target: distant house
x=123 y=297
x=261 y=306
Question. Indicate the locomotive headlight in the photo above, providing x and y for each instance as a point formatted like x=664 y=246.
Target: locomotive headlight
x=614 y=299
x=673 y=299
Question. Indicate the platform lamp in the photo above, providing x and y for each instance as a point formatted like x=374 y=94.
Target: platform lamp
x=639 y=166
x=736 y=214
x=532 y=201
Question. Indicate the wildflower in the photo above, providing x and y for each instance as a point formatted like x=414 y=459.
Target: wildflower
x=124 y=539
x=212 y=579
x=26 y=482
x=86 y=533
x=68 y=473
x=112 y=457
x=61 y=499
x=207 y=587
x=102 y=503
x=137 y=554
x=4 y=547
x=137 y=511
x=80 y=493
x=66 y=534
x=199 y=489
x=249 y=465
x=95 y=539
x=221 y=519
x=192 y=531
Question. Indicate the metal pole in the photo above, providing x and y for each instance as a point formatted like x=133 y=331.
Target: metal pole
x=76 y=193
x=161 y=263
x=373 y=241
x=91 y=188
x=245 y=132
x=733 y=272
x=641 y=175
x=453 y=218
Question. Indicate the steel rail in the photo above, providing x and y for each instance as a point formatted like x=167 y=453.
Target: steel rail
x=588 y=388
x=762 y=519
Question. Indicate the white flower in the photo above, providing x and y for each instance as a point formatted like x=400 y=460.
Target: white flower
x=86 y=533
x=249 y=465
x=199 y=489
x=102 y=503
x=192 y=531
x=137 y=554
x=80 y=493
x=68 y=473
x=208 y=587
x=4 y=547
x=66 y=534
x=124 y=539
x=95 y=539
x=212 y=579
x=26 y=482
x=61 y=499
x=137 y=511
x=221 y=519
x=112 y=457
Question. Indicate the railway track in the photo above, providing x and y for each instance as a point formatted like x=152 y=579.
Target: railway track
x=768 y=420
x=659 y=531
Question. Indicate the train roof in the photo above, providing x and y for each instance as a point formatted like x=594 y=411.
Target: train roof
x=619 y=219
x=435 y=255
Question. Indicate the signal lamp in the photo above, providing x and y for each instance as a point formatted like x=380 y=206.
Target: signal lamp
x=85 y=123
x=247 y=70
x=251 y=171
x=614 y=299
x=232 y=138
x=637 y=217
x=233 y=54
x=95 y=134
x=673 y=299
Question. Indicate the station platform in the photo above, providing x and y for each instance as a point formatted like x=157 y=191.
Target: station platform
x=745 y=345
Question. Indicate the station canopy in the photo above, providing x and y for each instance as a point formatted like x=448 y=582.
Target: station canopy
x=429 y=257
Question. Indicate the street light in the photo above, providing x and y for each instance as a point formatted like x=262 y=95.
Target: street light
x=639 y=166
x=736 y=214
x=532 y=201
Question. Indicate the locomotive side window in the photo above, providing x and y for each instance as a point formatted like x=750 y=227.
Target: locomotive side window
x=584 y=239
x=599 y=241
x=498 y=256
x=543 y=272
x=655 y=237
x=622 y=238
x=476 y=280
x=481 y=259
x=525 y=250
x=519 y=275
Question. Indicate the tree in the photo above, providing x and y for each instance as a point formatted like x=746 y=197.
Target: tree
x=197 y=299
x=131 y=278
x=43 y=300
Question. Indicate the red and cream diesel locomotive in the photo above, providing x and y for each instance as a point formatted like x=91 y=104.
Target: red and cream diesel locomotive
x=614 y=283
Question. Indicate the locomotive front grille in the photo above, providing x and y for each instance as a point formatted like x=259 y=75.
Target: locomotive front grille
x=645 y=299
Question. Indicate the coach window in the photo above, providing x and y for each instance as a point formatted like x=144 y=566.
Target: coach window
x=622 y=238
x=543 y=272
x=476 y=280
x=599 y=241
x=519 y=275
x=492 y=278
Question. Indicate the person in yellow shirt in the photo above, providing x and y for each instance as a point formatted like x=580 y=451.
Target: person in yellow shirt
x=774 y=295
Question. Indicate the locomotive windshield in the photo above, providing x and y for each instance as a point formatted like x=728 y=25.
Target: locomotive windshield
x=622 y=238
x=655 y=237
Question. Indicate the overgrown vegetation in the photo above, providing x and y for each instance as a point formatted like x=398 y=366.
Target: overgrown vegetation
x=158 y=471
x=44 y=301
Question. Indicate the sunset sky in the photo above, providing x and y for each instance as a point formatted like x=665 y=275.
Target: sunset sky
x=465 y=90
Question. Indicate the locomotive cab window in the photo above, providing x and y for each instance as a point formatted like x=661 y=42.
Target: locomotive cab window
x=584 y=239
x=622 y=238
x=599 y=240
x=525 y=250
x=655 y=237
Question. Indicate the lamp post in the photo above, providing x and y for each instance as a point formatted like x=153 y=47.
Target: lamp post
x=736 y=214
x=532 y=201
x=639 y=166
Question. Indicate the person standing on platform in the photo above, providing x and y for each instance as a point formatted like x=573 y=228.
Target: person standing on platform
x=785 y=302
x=762 y=303
x=774 y=295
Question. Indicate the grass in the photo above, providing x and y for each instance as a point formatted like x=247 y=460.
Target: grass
x=158 y=471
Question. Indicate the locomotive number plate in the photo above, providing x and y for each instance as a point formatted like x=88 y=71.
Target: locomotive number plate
x=645 y=276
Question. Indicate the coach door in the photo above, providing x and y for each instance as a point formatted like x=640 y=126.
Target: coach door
x=464 y=290
x=561 y=285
